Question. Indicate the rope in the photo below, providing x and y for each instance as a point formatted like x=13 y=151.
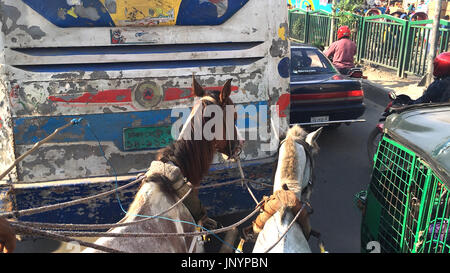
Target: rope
x=245 y=180
x=108 y=226
x=23 y=230
x=37 y=145
x=288 y=228
x=216 y=185
x=186 y=234
x=100 y=226
x=68 y=203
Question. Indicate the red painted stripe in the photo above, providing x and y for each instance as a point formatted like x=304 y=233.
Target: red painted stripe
x=330 y=95
x=124 y=95
x=283 y=103
x=106 y=96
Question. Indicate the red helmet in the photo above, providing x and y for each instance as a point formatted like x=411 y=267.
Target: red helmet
x=442 y=65
x=343 y=31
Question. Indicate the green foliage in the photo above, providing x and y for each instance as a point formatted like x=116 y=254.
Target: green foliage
x=345 y=10
x=298 y=28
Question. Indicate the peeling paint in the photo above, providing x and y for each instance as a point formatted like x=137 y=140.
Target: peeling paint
x=9 y=15
x=41 y=100
x=99 y=75
x=89 y=12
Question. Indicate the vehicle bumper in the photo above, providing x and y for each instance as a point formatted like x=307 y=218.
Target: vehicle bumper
x=303 y=113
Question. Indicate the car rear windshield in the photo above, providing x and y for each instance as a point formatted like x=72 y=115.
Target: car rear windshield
x=309 y=61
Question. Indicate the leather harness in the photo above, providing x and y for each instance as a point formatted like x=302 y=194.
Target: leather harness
x=180 y=185
x=286 y=199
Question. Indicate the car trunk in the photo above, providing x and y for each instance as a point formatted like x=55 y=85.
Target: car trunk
x=324 y=88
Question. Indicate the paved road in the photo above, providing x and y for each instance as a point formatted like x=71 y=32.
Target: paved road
x=342 y=171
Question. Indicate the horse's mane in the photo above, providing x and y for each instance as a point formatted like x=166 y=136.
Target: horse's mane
x=290 y=160
x=289 y=170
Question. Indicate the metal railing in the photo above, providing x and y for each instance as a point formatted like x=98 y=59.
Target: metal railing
x=418 y=46
x=384 y=40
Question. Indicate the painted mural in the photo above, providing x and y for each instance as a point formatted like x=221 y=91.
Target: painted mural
x=311 y=4
x=118 y=13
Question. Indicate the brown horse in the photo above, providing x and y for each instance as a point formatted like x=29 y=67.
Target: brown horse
x=188 y=158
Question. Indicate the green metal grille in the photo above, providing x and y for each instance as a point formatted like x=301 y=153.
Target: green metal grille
x=390 y=183
x=411 y=211
x=298 y=25
x=319 y=29
x=418 y=44
x=435 y=226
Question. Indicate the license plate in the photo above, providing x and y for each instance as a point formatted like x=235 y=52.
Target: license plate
x=141 y=138
x=320 y=119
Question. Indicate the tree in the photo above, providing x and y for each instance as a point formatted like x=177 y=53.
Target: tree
x=346 y=10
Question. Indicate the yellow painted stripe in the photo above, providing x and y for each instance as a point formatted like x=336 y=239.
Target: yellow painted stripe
x=145 y=12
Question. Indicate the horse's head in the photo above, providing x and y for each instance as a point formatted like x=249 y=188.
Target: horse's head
x=293 y=168
x=218 y=118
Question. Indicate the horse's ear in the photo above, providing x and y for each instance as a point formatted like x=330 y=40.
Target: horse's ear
x=226 y=91
x=311 y=138
x=198 y=89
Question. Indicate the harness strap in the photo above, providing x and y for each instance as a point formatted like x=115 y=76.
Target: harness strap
x=283 y=199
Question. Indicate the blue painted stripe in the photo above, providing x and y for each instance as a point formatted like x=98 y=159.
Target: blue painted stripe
x=135 y=49
x=191 y=12
x=204 y=12
x=107 y=126
x=137 y=65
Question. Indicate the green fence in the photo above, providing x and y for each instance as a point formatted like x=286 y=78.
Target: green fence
x=382 y=39
x=419 y=47
x=407 y=205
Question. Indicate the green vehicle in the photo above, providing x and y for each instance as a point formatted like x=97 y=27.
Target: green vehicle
x=406 y=208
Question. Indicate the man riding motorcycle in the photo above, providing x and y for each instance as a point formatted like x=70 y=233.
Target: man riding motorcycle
x=439 y=89
x=342 y=51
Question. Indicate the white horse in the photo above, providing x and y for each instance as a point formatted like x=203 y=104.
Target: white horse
x=294 y=170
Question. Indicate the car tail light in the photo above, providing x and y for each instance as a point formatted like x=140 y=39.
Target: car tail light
x=345 y=95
